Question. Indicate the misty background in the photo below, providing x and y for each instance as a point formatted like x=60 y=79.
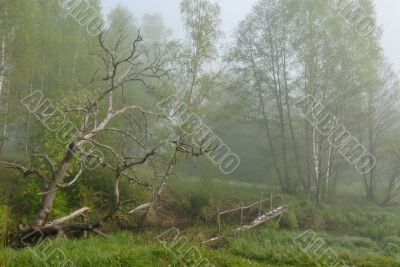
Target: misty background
x=235 y=10
x=284 y=127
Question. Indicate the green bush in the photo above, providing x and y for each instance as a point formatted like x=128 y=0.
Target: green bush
x=289 y=220
x=26 y=200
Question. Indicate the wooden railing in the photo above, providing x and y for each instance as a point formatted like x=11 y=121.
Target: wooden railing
x=243 y=208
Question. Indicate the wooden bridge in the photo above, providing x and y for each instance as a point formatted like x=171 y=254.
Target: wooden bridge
x=275 y=213
x=272 y=213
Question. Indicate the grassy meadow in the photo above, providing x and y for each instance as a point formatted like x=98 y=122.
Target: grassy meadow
x=360 y=233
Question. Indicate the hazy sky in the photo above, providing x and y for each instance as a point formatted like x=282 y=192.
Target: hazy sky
x=235 y=10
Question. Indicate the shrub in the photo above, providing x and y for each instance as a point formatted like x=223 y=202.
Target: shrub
x=289 y=220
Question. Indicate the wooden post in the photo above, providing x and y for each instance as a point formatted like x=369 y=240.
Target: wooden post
x=241 y=215
x=270 y=201
x=219 y=221
x=84 y=219
x=261 y=200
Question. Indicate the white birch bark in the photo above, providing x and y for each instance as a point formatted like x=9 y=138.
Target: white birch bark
x=2 y=64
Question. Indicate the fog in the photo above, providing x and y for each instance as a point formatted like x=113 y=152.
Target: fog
x=199 y=133
x=234 y=10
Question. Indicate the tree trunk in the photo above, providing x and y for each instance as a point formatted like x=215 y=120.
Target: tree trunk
x=2 y=63
x=278 y=98
x=371 y=189
x=292 y=134
x=316 y=167
x=47 y=204
x=266 y=124
x=2 y=79
x=325 y=188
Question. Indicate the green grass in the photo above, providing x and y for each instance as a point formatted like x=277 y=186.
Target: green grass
x=265 y=246
x=359 y=232
x=122 y=249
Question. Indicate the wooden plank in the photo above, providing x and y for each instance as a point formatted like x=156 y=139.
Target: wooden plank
x=264 y=218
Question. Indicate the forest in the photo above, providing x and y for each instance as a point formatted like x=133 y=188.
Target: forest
x=121 y=144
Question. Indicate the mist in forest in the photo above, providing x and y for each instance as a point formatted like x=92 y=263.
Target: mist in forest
x=199 y=133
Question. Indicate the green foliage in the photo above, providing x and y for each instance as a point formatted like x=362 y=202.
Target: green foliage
x=289 y=220
x=201 y=21
x=26 y=200
x=4 y=221
x=77 y=194
x=365 y=220
x=61 y=205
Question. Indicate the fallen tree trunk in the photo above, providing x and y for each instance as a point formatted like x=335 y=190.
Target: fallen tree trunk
x=32 y=236
x=141 y=207
x=80 y=212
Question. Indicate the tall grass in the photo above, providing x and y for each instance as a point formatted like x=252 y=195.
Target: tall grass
x=4 y=220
